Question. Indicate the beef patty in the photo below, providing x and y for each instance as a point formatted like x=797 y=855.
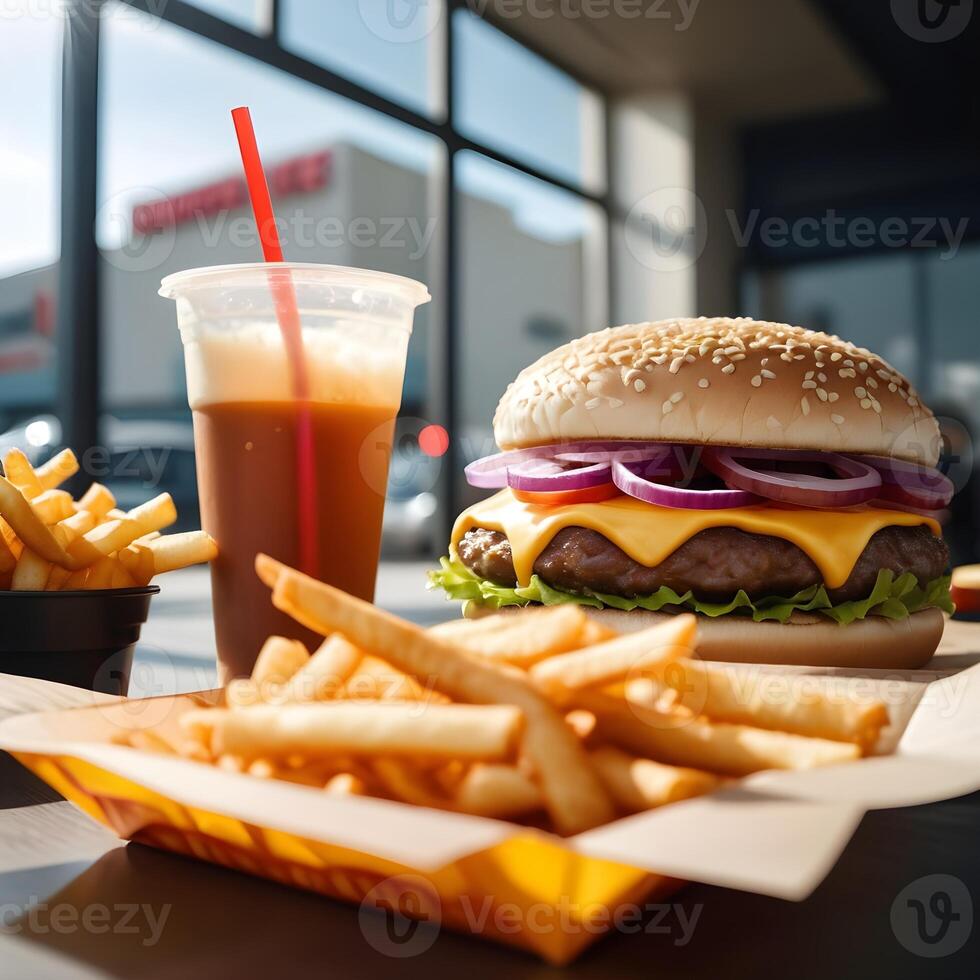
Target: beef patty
x=714 y=564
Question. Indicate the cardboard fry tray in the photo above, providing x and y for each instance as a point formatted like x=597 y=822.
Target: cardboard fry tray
x=775 y=833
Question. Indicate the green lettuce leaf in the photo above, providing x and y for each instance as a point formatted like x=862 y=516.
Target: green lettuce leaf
x=892 y=596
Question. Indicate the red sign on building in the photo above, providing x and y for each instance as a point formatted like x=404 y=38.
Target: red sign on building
x=300 y=175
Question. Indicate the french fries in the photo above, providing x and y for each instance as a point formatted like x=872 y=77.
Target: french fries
x=733 y=750
x=781 y=703
x=51 y=542
x=540 y=716
x=576 y=800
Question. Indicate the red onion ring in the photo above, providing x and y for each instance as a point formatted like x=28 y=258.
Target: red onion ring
x=630 y=481
x=857 y=482
x=490 y=472
x=546 y=475
x=885 y=504
x=921 y=487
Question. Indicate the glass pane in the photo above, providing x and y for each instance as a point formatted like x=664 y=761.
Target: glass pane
x=351 y=187
x=951 y=290
x=391 y=46
x=869 y=300
x=253 y=15
x=950 y=287
x=30 y=168
x=558 y=128
x=533 y=278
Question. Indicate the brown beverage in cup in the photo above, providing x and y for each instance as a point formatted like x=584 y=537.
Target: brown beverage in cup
x=356 y=326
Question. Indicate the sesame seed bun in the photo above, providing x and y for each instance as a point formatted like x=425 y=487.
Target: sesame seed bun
x=719 y=381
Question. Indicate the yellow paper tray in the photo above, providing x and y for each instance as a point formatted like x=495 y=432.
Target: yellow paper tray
x=529 y=889
x=775 y=833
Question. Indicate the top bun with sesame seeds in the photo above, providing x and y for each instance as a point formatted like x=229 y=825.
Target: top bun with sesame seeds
x=719 y=381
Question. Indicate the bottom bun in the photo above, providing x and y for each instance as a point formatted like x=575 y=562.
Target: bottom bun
x=813 y=641
x=805 y=640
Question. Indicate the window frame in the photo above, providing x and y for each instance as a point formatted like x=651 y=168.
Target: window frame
x=79 y=389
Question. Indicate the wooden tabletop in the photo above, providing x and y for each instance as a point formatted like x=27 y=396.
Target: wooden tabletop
x=151 y=914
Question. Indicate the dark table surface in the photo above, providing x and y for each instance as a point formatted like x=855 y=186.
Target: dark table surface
x=190 y=919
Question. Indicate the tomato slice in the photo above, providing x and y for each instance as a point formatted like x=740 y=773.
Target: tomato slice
x=965 y=588
x=559 y=498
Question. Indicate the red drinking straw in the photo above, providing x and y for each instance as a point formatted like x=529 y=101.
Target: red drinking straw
x=287 y=312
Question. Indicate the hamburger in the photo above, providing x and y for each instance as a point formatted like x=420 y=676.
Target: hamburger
x=778 y=482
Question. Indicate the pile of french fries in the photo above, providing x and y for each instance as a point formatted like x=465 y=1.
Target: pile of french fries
x=541 y=716
x=52 y=542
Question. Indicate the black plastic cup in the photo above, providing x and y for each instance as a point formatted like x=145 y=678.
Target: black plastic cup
x=85 y=639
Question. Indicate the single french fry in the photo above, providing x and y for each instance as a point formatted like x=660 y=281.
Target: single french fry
x=734 y=750
x=595 y=632
x=18 y=470
x=57 y=578
x=81 y=522
x=323 y=675
x=519 y=638
x=116 y=515
x=441 y=731
x=148 y=556
x=8 y=560
x=121 y=579
x=649 y=650
x=276 y=663
x=242 y=692
x=576 y=799
x=499 y=791
x=173 y=551
x=403 y=781
x=641 y=784
x=29 y=528
x=57 y=469
x=53 y=506
x=76 y=580
x=102 y=541
x=346 y=784
x=150 y=741
x=155 y=514
x=31 y=573
x=376 y=680
x=137 y=559
x=97 y=500
x=781 y=702
x=100 y=574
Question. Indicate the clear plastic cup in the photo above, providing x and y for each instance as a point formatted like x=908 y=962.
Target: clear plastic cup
x=250 y=427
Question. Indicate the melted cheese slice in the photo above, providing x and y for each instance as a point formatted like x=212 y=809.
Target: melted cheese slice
x=834 y=539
